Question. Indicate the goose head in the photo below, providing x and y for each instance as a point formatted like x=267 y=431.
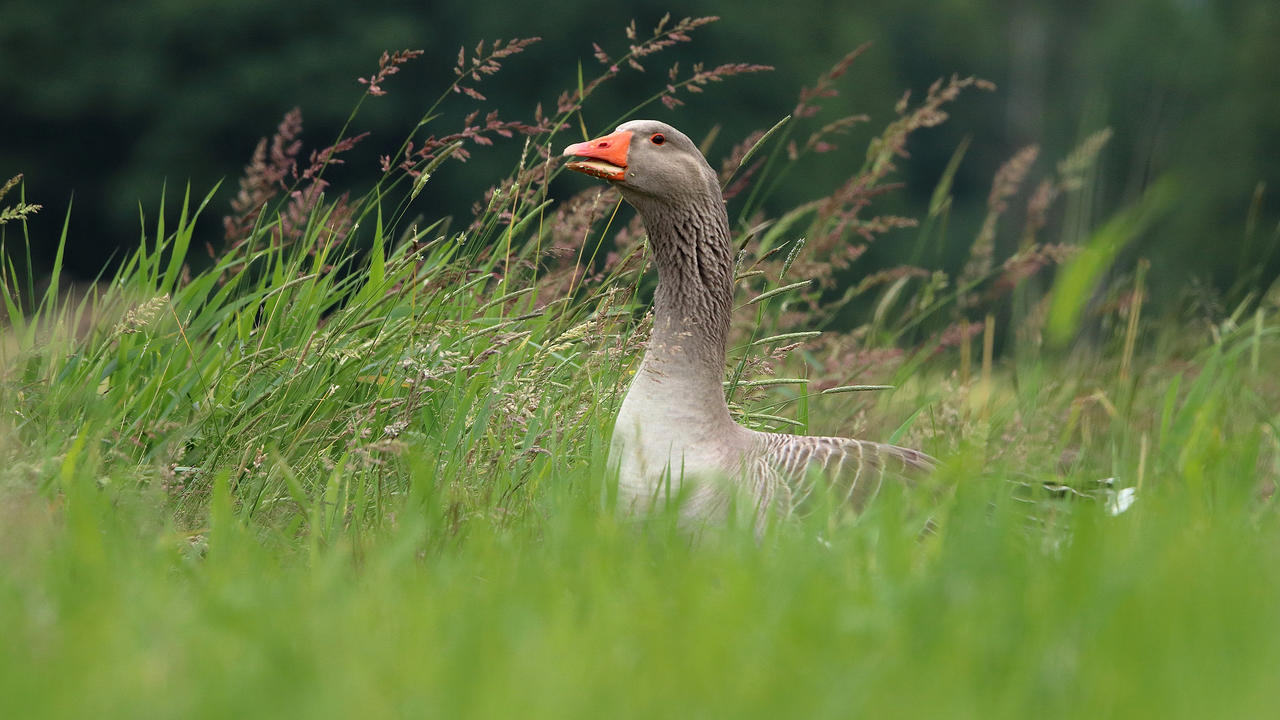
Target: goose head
x=651 y=163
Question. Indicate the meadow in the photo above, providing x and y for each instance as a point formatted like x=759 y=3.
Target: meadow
x=353 y=461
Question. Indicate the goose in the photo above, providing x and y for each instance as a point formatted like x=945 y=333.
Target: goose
x=673 y=436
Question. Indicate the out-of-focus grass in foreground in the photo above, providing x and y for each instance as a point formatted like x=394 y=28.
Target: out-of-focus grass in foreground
x=355 y=467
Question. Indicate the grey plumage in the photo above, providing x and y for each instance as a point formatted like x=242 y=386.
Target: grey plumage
x=674 y=423
x=855 y=468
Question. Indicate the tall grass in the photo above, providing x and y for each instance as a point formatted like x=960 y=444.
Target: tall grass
x=356 y=464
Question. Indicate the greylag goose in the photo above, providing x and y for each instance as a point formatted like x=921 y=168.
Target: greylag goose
x=674 y=426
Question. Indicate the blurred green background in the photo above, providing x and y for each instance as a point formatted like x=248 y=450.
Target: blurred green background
x=105 y=103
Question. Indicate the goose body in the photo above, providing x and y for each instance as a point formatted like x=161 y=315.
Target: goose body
x=674 y=435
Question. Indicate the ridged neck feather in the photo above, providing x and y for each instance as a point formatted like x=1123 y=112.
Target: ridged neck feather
x=693 y=302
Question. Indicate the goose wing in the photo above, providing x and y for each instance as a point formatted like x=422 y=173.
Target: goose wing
x=854 y=468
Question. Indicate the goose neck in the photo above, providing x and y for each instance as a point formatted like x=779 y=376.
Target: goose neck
x=693 y=301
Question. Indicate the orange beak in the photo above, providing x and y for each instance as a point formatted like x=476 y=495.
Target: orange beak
x=606 y=156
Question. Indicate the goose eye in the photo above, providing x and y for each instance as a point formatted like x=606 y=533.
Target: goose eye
x=657 y=139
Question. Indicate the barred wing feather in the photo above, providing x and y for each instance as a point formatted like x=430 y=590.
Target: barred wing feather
x=855 y=468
